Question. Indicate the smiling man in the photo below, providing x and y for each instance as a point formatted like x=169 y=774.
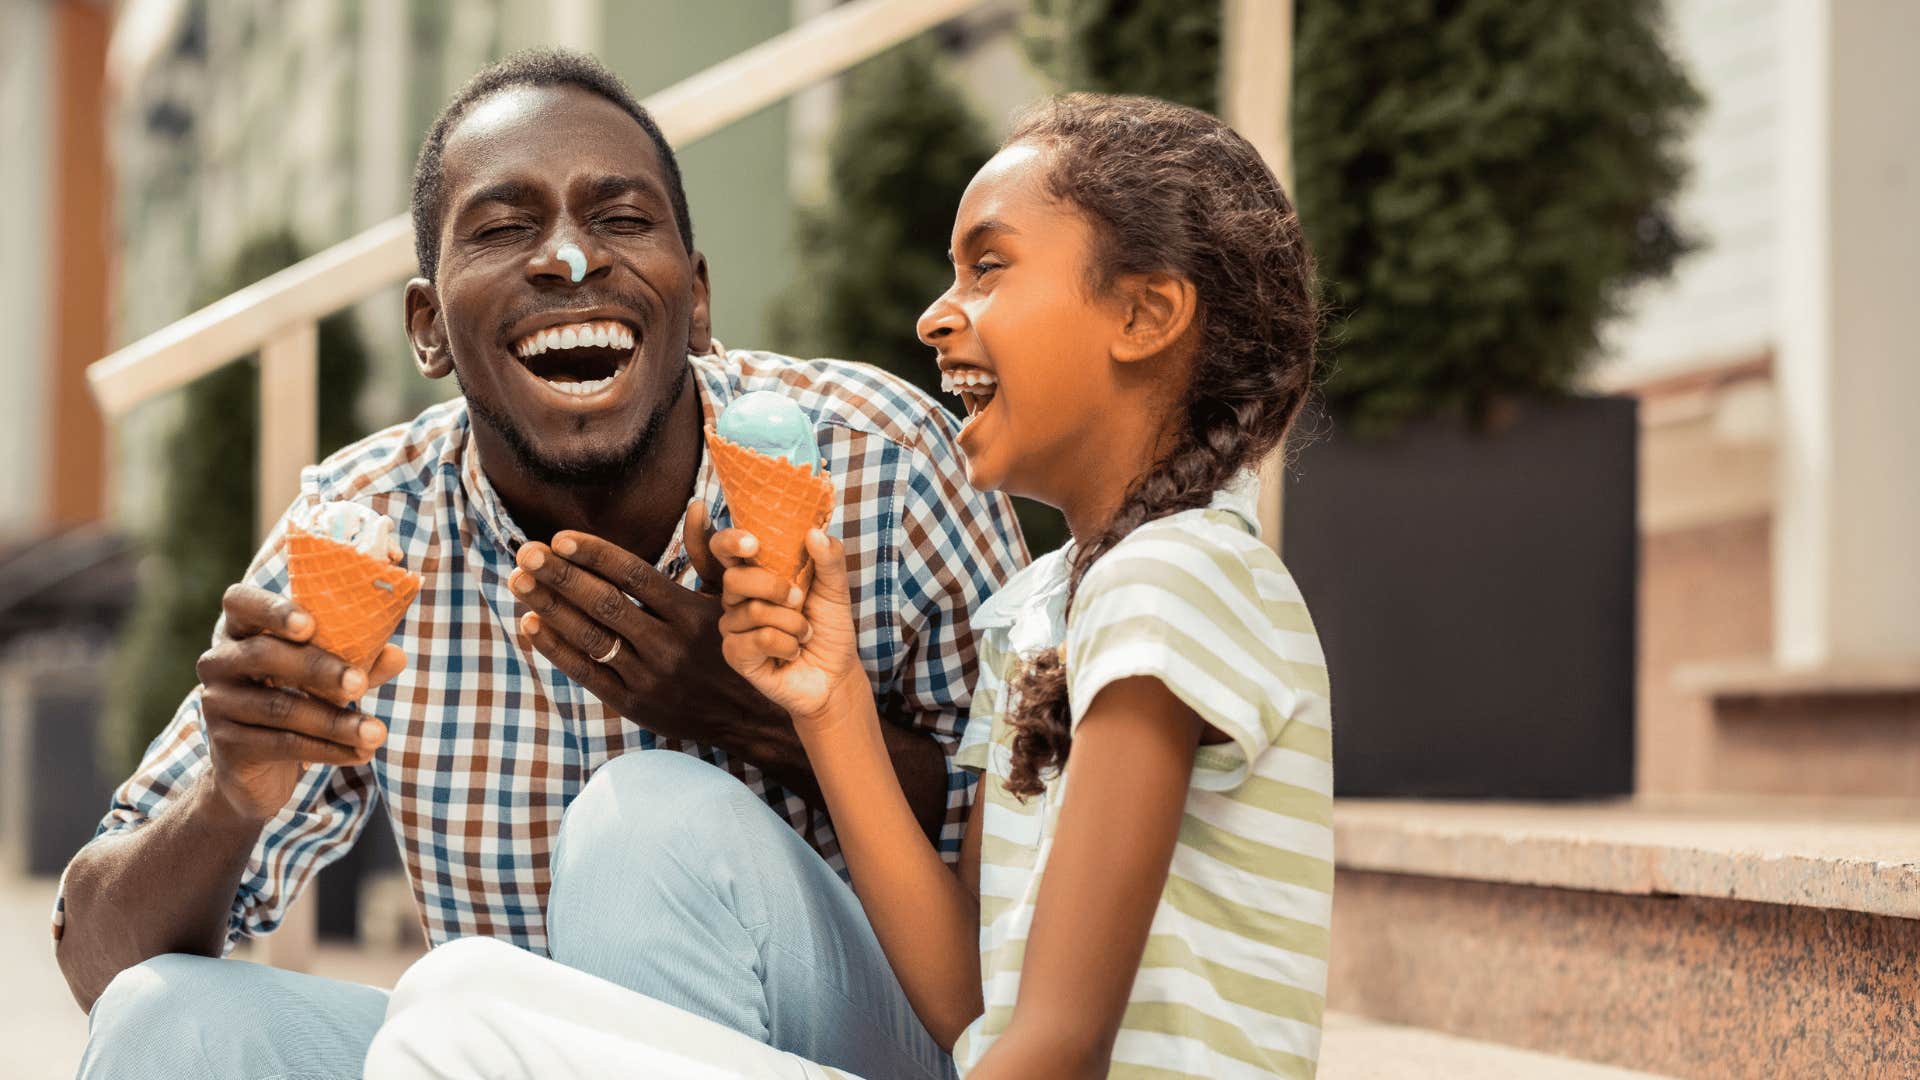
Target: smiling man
x=559 y=515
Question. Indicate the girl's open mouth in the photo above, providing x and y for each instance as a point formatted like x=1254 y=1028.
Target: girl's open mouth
x=578 y=359
x=975 y=387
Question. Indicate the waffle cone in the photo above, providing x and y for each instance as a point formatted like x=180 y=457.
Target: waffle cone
x=355 y=599
x=775 y=500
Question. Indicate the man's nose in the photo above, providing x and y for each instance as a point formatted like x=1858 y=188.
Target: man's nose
x=568 y=257
x=942 y=319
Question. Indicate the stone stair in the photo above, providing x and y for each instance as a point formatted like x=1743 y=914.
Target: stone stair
x=1718 y=936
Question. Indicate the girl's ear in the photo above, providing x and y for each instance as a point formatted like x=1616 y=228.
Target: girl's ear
x=1159 y=309
x=425 y=331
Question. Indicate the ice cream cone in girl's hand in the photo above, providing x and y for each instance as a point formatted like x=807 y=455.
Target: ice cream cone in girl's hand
x=768 y=459
x=342 y=563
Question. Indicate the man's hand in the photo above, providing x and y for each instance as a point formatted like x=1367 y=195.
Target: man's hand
x=587 y=597
x=271 y=703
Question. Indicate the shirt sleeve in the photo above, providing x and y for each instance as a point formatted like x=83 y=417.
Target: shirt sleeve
x=320 y=822
x=1192 y=615
x=955 y=546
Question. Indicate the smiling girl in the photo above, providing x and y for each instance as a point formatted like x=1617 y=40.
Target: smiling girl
x=1146 y=880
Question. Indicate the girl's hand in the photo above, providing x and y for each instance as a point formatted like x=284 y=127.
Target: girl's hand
x=794 y=643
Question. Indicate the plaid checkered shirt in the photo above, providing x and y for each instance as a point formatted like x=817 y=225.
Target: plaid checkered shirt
x=489 y=742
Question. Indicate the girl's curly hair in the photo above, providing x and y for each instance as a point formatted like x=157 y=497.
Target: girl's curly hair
x=1173 y=190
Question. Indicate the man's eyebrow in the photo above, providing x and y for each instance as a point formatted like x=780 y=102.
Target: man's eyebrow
x=508 y=192
x=610 y=187
x=980 y=229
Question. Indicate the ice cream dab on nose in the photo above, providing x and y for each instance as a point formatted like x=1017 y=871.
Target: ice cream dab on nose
x=575 y=259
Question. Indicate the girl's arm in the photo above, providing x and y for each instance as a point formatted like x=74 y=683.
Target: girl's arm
x=926 y=919
x=1132 y=759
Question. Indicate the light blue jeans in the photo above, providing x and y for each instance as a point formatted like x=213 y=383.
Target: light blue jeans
x=670 y=878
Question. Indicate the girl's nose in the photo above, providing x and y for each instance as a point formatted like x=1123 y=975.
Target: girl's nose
x=940 y=321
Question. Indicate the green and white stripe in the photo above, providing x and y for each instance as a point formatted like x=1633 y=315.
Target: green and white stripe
x=1233 y=982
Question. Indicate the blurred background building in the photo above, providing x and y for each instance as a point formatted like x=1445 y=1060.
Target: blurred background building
x=1772 y=719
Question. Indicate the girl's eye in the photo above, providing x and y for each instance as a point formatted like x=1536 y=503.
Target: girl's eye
x=981 y=269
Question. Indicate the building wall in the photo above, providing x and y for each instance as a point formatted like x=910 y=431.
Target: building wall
x=1720 y=302
x=25 y=167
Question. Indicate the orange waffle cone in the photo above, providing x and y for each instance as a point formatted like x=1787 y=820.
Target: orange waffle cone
x=355 y=599
x=774 y=500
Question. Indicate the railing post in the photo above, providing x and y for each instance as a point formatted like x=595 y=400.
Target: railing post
x=1256 y=80
x=289 y=440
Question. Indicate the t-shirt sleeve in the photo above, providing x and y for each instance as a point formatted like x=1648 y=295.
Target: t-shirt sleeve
x=320 y=822
x=1192 y=614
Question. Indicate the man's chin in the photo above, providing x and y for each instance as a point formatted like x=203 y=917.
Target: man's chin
x=575 y=459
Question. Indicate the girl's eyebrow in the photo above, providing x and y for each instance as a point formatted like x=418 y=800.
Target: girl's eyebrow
x=980 y=229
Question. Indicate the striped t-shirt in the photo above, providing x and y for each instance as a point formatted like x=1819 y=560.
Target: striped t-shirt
x=1233 y=981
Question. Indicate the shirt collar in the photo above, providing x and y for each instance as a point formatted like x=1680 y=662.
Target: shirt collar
x=499 y=524
x=1032 y=604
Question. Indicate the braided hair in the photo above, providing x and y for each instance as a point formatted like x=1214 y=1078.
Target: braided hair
x=1169 y=189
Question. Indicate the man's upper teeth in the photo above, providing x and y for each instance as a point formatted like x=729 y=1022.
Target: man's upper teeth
x=605 y=335
x=959 y=382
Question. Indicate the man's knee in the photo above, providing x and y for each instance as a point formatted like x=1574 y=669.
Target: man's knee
x=648 y=799
x=162 y=991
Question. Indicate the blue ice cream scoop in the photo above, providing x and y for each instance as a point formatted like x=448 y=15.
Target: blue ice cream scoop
x=773 y=425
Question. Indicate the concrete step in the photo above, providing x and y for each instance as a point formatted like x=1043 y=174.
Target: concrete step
x=1719 y=937
x=1842 y=729
x=1356 y=1048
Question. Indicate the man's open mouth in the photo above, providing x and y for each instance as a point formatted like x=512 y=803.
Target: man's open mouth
x=580 y=359
x=975 y=386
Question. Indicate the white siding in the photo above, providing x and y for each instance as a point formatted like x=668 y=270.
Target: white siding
x=1720 y=302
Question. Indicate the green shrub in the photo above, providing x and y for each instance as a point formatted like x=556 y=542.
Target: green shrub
x=205 y=536
x=1483 y=181
x=1169 y=49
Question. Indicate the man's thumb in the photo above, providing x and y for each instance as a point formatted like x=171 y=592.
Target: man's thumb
x=829 y=567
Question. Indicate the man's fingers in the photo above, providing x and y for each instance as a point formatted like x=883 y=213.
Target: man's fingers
x=251 y=610
x=282 y=710
x=751 y=615
x=391 y=661
x=609 y=562
x=301 y=667
x=598 y=678
x=274 y=744
x=743 y=583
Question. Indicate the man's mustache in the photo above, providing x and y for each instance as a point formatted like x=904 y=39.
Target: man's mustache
x=628 y=304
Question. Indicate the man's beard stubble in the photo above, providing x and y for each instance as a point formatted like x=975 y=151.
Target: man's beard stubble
x=594 y=472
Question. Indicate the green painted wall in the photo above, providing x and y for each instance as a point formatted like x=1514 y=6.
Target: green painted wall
x=736 y=179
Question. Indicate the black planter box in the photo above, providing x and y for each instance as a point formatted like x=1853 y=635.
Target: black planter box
x=1476 y=596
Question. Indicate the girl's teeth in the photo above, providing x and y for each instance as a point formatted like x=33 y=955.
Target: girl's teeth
x=958 y=382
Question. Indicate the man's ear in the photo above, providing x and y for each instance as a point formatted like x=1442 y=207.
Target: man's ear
x=700 y=324
x=1159 y=309
x=426 y=331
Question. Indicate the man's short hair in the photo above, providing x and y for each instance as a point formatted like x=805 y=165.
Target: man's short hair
x=534 y=67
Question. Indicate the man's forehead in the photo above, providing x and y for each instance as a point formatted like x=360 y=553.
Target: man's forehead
x=542 y=127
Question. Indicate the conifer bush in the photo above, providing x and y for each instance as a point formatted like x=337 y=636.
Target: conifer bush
x=204 y=538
